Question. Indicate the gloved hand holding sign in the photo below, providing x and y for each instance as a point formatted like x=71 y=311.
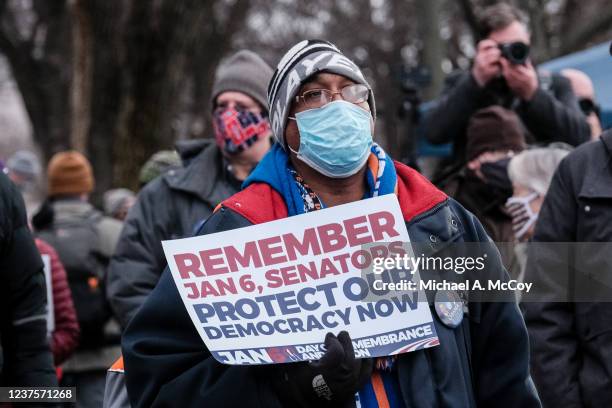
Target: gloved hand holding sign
x=331 y=381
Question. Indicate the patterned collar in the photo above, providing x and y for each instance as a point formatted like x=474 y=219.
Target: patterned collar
x=312 y=202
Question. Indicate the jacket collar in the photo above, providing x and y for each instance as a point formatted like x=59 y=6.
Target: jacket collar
x=190 y=149
x=606 y=138
x=203 y=175
x=415 y=193
x=260 y=202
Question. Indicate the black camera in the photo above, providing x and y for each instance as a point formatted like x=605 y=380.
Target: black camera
x=515 y=52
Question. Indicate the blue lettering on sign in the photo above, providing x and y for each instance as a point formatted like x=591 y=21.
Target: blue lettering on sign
x=241 y=357
x=279 y=304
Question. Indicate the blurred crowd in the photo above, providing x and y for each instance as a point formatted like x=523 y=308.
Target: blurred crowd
x=529 y=159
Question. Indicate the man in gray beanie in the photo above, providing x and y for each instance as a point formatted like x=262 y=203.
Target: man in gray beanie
x=244 y=72
x=174 y=203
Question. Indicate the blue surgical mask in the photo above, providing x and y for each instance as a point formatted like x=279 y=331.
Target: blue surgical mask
x=335 y=139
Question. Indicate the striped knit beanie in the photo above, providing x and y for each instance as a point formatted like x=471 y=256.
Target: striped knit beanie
x=301 y=62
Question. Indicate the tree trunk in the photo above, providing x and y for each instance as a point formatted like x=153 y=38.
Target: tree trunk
x=106 y=50
x=207 y=56
x=41 y=68
x=433 y=52
x=80 y=86
x=155 y=60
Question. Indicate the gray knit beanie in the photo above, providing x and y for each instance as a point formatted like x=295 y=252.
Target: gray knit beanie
x=24 y=163
x=243 y=72
x=301 y=62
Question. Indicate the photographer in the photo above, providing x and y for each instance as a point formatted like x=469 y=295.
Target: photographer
x=502 y=74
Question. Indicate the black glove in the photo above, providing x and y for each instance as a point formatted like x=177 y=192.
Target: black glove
x=331 y=381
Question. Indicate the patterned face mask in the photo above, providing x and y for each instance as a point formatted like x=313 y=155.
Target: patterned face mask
x=523 y=217
x=237 y=130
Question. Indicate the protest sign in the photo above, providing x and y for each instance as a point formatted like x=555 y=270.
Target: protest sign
x=269 y=293
x=48 y=282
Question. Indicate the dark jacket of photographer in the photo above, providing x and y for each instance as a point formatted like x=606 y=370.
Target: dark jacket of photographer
x=551 y=115
x=571 y=343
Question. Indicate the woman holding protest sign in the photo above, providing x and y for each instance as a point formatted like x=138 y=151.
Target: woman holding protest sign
x=322 y=115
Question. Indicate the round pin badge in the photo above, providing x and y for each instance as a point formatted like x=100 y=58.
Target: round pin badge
x=449 y=308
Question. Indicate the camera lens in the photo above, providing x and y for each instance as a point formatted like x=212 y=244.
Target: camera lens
x=519 y=52
x=516 y=52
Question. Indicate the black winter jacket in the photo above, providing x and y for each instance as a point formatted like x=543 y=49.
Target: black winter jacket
x=169 y=207
x=552 y=115
x=572 y=342
x=25 y=357
x=483 y=362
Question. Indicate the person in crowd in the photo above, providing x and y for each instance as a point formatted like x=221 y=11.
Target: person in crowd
x=170 y=206
x=24 y=169
x=84 y=239
x=25 y=357
x=530 y=173
x=323 y=122
x=502 y=74
x=158 y=164
x=482 y=186
x=65 y=329
x=117 y=203
x=585 y=92
x=569 y=329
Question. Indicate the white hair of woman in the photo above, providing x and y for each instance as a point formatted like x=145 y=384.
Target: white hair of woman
x=534 y=168
x=531 y=172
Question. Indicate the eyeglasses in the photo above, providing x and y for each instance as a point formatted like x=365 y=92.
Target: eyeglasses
x=588 y=106
x=239 y=106
x=316 y=98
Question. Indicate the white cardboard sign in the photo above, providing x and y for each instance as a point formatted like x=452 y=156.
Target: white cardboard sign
x=270 y=293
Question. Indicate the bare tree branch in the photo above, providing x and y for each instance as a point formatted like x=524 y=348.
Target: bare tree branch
x=237 y=15
x=569 y=14
x=577 y=38
x=8 y=31
x=470 y=16
x=6 y=45
x=219 y=36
